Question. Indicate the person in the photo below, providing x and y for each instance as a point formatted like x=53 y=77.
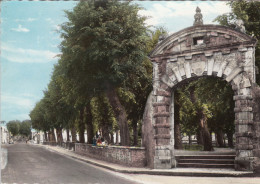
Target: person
x=99 y=141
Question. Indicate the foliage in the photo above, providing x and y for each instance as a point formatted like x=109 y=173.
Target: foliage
x=218 y=110
x=105 y=46
x=104 y=42
x=25 y=128
x=13 y=127
x=249 y=12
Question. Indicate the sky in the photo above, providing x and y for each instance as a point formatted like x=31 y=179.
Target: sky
x=29 y=43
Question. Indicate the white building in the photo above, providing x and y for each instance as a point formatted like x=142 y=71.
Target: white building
x=4 y=135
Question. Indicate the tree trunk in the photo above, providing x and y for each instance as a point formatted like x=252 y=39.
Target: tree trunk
x=59 y=134
x=116 y=136
x=90 y=131
x=53 y=135
x=105 y=132
x=68 y=135
x=120 y=114
x=205 y=132
x=203 y=125
x=73 y=134
x=81 y=126
x=224 y=141
x=135 y=133
x=112 y=137
x=190 y=140
x=49 y=136
x=45 y=136
x=220 y=138
x=177 y=135
x=216 y=142
x=199 y=136
x=230 y=140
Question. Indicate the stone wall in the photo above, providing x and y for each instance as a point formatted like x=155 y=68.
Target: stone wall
x=66 y=145
x=256 y=127
x=134 y=157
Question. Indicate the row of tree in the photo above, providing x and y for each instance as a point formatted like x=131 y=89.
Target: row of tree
x=16 y=127
x=103 y=78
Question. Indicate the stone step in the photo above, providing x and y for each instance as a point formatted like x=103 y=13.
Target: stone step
x=205 y=157
x=202 y=165
x=207 y=161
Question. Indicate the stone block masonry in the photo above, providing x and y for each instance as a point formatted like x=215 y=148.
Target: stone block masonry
x=128 y=156
x=202 y=51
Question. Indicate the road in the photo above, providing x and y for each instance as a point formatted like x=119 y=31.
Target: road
x=32 y=164
x=35 y=164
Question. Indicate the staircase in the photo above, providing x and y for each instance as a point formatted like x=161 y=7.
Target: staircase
x=206 y=161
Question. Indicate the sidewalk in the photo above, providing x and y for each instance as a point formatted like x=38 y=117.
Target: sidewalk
x=198 y=172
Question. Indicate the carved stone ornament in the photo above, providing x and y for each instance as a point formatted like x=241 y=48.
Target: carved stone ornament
x=198 y=67
x=240 y=25
x=198 y=17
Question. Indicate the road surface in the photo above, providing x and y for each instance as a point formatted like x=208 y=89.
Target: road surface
x=32 y=164
x=35 y=164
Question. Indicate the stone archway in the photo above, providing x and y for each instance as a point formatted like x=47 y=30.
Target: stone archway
x=200 y=50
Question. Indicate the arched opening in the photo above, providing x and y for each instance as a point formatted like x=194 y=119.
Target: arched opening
x=203 y=114
x=203 y=123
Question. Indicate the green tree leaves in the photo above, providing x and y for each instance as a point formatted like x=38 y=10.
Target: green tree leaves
x=16 y=127
x=249 y=12
x=13 y=127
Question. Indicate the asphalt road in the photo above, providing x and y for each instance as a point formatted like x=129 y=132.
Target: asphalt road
x=32 y=164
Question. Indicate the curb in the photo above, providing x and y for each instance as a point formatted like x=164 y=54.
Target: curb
x=160 y=172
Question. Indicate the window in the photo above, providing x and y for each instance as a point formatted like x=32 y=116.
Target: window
x=198 y=40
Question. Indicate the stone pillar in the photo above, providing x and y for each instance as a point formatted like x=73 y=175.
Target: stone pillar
x=244 y=136
x=172 y=130
x=162 y=157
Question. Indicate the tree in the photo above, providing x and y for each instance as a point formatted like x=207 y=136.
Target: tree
x=38 y=119
x=249 y=12
x=13 y=127
x=106 y=41
x=25 y=128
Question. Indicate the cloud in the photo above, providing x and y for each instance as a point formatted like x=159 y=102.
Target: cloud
x=169 y=12
x=26 y=20
x=19 y=102
x=50 y=20
x=2 y=20
x=21 y=55
x=57 y=27
x=23 y=117
x=20 y=29
x=54 y=46
x=16 y=106
x=31 y=19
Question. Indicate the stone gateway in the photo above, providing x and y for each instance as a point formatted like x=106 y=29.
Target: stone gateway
x=201 y=50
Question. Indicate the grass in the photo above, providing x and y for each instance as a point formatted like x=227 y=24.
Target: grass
x=192 y=147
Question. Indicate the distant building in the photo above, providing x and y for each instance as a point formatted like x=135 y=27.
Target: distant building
x=5 y=136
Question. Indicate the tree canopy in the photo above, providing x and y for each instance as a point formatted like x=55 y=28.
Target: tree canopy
x=249 y=12
x=103 y=77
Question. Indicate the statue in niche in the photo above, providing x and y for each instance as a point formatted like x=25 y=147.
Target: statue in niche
x=240 y=25
x=198 y=17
